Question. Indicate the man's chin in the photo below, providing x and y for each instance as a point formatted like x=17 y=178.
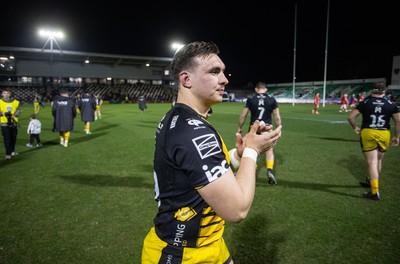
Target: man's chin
x=219 y=99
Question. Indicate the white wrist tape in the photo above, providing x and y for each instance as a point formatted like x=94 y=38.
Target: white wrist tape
x=250 y=153
x=234 y=162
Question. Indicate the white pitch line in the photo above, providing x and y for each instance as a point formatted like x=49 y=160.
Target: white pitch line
x=319 y=120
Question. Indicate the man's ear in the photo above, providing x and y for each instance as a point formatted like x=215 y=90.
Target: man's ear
x=184 y=78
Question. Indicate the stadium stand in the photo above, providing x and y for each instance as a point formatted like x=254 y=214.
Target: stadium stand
x=31 y=72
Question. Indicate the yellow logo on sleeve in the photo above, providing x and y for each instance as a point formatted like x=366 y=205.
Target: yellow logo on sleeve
x=185 y=214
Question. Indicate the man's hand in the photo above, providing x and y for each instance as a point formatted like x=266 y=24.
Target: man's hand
x=263 y=141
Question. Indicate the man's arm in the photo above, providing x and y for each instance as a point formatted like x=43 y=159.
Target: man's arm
x=396 y=137
x=242 y=119
x=277 y=117
x=231 y=196
x=352 y=120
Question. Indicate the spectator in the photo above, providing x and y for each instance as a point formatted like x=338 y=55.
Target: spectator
x=34 y=129
x=9 y=113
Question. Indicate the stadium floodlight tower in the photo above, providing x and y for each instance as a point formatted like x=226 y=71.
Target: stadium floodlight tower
x=51 y=38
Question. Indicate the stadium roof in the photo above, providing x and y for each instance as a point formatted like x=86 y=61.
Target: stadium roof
x=56 y=55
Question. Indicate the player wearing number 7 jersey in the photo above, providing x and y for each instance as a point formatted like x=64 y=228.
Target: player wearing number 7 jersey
x=374 y=133
x=261 y=107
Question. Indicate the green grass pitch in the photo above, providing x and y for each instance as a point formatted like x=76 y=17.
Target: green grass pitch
x=93 y=201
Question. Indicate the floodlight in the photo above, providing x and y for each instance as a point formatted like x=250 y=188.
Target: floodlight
x=177 y=46
x=51 y=37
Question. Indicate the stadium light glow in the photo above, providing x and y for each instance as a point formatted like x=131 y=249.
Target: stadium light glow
x=177 y=46
x=51 y=38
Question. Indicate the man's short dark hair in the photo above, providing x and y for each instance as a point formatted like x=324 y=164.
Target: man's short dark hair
x=63 y=90
x=184 y=58
x=261 y=85
x=379 y=88
x=7 y=89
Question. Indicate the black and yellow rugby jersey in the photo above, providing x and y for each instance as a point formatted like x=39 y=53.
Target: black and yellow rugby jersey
x=376 y=112
x=261 y=107
x=189 y=154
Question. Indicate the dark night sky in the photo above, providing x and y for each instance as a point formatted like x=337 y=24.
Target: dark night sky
x=256 y=39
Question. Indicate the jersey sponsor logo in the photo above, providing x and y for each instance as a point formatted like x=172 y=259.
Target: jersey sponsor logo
x=173 y=122
x=378 y=109
x=216 y=171
x=378 y=102
x=185 y=214
x=195 y=122
x=64 y=103
x=180 y=231
x=207 y=145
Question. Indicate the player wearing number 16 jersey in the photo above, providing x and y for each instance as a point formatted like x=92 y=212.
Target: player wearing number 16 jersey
x=374 y=133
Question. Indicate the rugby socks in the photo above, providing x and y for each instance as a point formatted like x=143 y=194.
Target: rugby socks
x=61 y=138
x=270 y=164
x=64 y=138
x=374 y=186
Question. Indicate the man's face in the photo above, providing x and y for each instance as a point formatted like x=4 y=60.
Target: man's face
x=209 y=79
x=6 y=94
